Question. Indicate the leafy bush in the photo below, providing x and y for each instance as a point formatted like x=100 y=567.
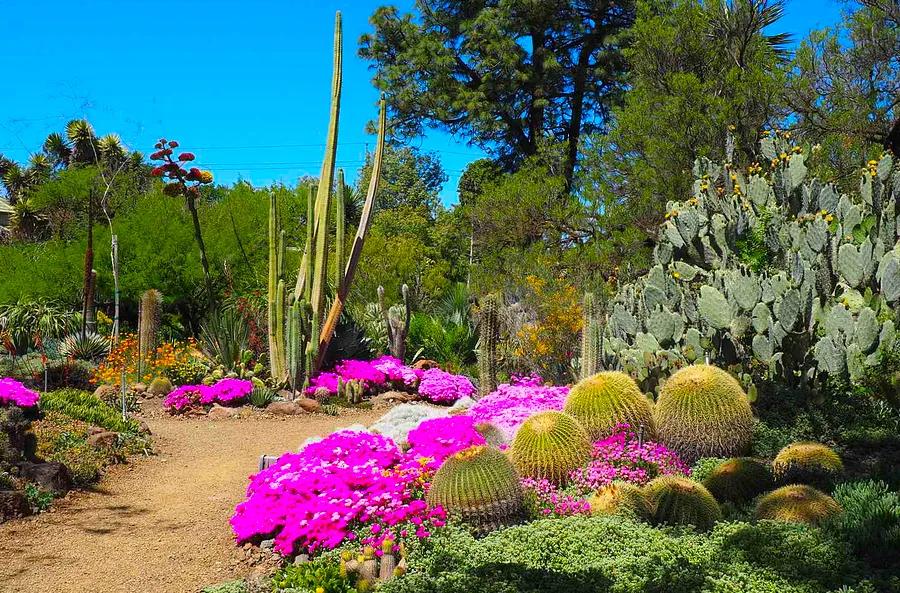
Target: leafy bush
x=321 y=576
x=63 y=439
x=704 y=466
x=227 y=587
x=39 y=499
x=86 y=407
x=61 y=372
x=870 y=522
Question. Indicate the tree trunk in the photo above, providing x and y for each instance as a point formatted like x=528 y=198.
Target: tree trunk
x=87 y=305
x=198 y=236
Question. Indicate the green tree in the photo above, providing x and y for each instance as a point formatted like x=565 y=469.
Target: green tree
x=408 y=178
x=505 y=75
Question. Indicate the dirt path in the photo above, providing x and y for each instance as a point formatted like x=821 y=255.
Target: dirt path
x=159 y=524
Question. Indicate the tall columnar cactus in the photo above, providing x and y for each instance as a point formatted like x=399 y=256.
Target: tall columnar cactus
x=276 y=293
x=681 y=501
x=396 y=322
x=148 y=325
x=807 y=463
x=702 y=411
x=738 y=480
x=480 y=486
x=607 y=399
x=590 y=338
x=797 y=504
x=489 y=338
x=550 y=445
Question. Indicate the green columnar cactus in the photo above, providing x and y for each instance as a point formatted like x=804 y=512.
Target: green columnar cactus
x=797 y=503
x=702 y=411
x=480 y=486
x=550 y=445
x=738 y=480
x=148 y=325
x=607 y=399
x=675 y=500
x=621 y=498
x=489 y=338
x=590 y=338
x=275 y=293
x=396 y=322
x=340 y=224
x=807 y=463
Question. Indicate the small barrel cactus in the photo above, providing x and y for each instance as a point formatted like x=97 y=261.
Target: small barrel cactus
x=479 y=485
x=675 y=500
x=550 y=445
x=797 y=503
x=738 y=480
x=492 y=435
x=807 y=463
x=703 y=412
x=160 y=387
x=621 y=498
x=607 y=399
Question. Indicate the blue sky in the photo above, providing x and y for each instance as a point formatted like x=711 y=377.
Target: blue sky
x=245 y=85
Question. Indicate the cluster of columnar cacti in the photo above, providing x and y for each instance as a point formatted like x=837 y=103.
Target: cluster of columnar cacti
x=620 y=497
x=821 y=303
x=605 y=400
x=702 y=411
x=738 y=480
x=369 y=567
x=549 y=445
x=797 y=503
x=488 y=342
x=807 y=463
x=590 y=337
x=149 y=317
x=479 y=485
x=300 y=327
x=396 y=322
x=675 y=500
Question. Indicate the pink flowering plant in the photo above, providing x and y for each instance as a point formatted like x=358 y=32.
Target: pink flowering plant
x=514 y=402
x=227 y=392
x=545 y=500
x=350 y=486
x=625 y=456
x=436 y=439
x=441 y=387
x=13 y=393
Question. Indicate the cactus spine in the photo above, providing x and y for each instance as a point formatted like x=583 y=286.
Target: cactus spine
x=590 y=338
x=489 y=338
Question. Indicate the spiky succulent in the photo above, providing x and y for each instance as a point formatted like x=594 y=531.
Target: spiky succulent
x=620 y=497
x=607 y=399
x=86 y=346
x=807 y=463
x=479 y=485
x=550 y=445
x=702 y=411
x=738 y=480
x=492 y=435
x=261 y=396
x=675 y=500
x=160 y=386
x=797 y=503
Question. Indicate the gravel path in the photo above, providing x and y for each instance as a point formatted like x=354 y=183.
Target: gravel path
x=157 y=524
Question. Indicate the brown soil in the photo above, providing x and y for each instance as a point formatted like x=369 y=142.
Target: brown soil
x=157 y=524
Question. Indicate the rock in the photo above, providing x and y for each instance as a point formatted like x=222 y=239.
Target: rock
x=107 y=393
x=218 y=412
x=267 y=544
x=50 y=475
x=285 y=394
x=13 y=504
x=461 y=406
x=399 y=420
x=284 y=409
x=423 y=364
x=388 y=399
x=104 y=438
x=139 y=388
x=144 y=427
x=96 y=430
x=308 y=404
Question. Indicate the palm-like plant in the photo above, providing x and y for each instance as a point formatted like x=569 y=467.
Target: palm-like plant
x=738 y=23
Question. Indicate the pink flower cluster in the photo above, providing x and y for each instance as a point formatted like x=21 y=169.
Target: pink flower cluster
x=227 y=392
x=437 y=439
x=441 y=387
x=623 y=456
x=513 y=403
x=548 y=501
x=396 y=371
x=348 y=486
x=15 y=394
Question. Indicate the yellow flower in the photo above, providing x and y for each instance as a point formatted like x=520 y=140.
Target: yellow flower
x=320 y=590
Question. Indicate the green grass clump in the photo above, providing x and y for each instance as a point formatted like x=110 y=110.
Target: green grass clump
x=738 y=480
x=621 y=498
x=479 y=485
x=681 y=501
x=550 y=445
x=607 y=399
x=870 y=523
x=702 y=411
x=807 y=463
x=797 y=503
x=86 y=407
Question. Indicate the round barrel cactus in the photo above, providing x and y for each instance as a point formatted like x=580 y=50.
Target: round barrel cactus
x=703 y=412
x=797 y=503
x=492 y=435
x=738 y=480
x=807 y=463
x=675 y=500
x=479 y=485
x=620 y=497
x=605 y=400
x=550 y=445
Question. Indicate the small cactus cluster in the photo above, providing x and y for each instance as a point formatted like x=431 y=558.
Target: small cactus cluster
x=739 y=480
x=818 y=306
x=797 y=503
x=160 y=387
x=591 y=351
x=676 y=500
x=702 y=411
x=549 y=445
x=480 y=486
x=605 y=400
x=807 y=463
x=368 y=568
x=621 y=498
x=396 y=322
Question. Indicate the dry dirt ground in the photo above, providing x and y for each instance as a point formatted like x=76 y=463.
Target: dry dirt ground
x=157 y=524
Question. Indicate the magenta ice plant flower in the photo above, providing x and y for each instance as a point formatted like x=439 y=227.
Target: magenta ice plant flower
x=513 y=403
x=441 y=387
x=437 y=439
x=227 y=392
x=14 y=393
x=546 y=500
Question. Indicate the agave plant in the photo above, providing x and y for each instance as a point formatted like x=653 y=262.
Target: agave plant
x=224 y=338
x=26 y=324
x=84 y=346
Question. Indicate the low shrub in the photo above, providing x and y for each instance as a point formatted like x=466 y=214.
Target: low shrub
x=40 y=500
x=227 y=587
x=870 y=523
x=87 y=407
x=63 y=439
x=704 y=466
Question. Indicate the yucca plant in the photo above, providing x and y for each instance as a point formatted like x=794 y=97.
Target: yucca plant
x=87 y=346
x=26 y=323
x=224 y=338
